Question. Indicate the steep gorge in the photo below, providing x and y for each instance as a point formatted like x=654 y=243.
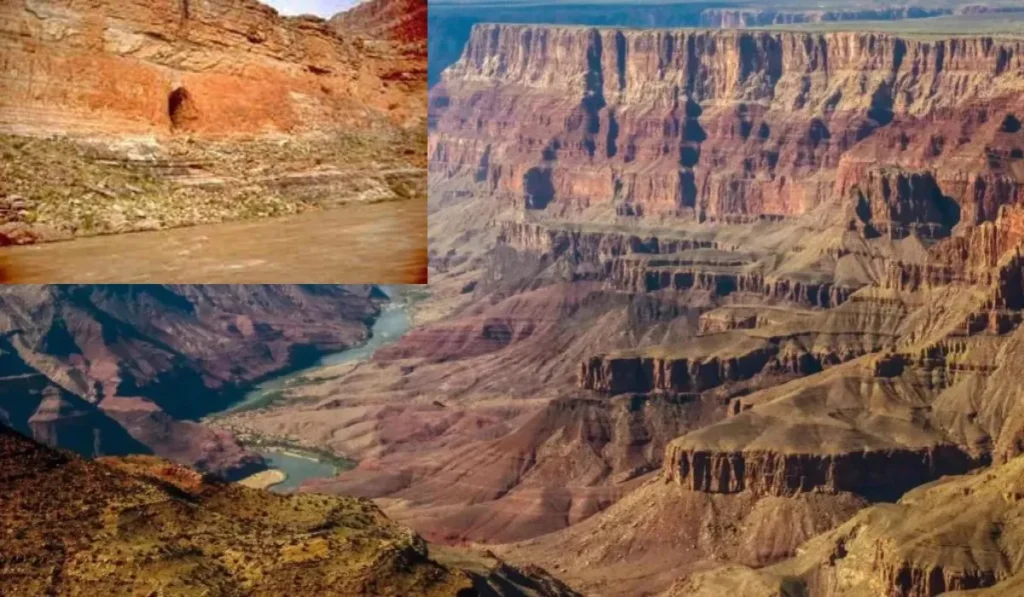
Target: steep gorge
x=129 y=369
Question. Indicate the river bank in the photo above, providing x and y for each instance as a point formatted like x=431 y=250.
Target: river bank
x=391 y=324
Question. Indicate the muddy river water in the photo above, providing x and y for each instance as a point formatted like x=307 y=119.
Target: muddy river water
x=384 y=243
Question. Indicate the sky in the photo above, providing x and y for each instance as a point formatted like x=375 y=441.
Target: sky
x=322 y=8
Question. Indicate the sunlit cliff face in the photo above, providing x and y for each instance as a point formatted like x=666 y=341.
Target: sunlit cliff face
x=725 y=124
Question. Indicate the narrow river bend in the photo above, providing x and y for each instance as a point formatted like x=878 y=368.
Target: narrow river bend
x=299 y=466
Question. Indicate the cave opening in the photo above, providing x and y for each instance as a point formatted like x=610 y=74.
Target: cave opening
x=1011 y=124
x=181 y=109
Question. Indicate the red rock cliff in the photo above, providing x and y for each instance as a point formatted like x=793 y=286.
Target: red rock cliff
x=210 y=68
x=717 y=124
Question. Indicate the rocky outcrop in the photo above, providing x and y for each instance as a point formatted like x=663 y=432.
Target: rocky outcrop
x=234 y=536
x=162 y=67
x=401 y=21
x=954 y=535
x=723 y=124
x=703 y=363
x=621 y=374
x=741 y=317
x=592 y=245
x=872 y=474
x=652 y=262
x=721 y=279
x=715 y=322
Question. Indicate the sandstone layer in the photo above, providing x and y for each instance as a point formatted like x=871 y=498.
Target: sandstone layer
x=179 y=67
x=403 y=21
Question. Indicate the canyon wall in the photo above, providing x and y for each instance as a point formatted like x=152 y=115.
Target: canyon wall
x=727 y=125
x=403 y=21
x=879 y=474
x=954 y=535
x=736 y=18
x=217 y=67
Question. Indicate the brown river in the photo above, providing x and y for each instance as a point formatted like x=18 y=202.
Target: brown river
x=385 y=243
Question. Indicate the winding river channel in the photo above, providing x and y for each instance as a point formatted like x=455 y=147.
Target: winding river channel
x=389 y=326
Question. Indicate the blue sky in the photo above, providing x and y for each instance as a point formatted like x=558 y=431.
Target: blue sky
x=323 y=8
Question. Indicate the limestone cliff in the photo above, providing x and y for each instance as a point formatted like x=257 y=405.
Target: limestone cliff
x=737 y=18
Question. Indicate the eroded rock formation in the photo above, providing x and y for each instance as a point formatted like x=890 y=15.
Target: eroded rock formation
x=403 y=21
x=955 y=535
x=872 y=474
x=732 y=125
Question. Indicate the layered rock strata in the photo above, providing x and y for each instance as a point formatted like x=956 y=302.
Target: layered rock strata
x=729 y=124
x=180 y=67
x=401 y=21
x=955 y=535
x=737 y=18
x=871 y=473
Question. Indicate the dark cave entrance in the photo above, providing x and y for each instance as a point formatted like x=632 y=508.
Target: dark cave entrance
x=181 y=110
